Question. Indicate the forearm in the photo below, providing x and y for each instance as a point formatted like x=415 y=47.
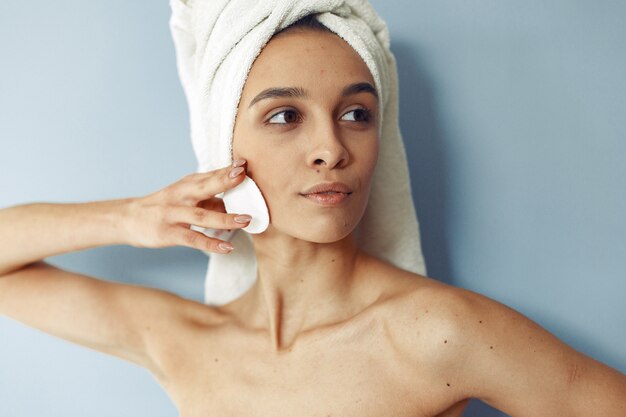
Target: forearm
x=32 y=232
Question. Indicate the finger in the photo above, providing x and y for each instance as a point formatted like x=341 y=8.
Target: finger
x=197 y=240
x=206 y=185
x=213 y=204
x=206 y=218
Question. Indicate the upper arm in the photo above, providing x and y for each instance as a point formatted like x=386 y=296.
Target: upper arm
x=119 y=319
x=515 y=365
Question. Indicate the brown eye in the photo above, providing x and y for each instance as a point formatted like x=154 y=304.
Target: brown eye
x=284 y=117
x=357 y=115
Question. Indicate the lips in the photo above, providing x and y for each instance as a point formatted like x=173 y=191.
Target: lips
x=329 y=187
x=326 y=194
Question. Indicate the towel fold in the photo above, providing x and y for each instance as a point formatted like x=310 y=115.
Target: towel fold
x=216 y=44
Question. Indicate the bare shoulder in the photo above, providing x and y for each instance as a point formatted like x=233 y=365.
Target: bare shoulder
x=450 y=326
x=441 y=311
x=480 y=348
x=416 y=296
x=439 y=320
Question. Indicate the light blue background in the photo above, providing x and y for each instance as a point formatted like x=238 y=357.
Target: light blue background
x=514 y=119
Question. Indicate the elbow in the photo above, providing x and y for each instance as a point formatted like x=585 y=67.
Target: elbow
x=596 y=389
x=8 y=270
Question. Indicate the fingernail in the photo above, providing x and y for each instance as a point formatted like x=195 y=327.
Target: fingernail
x=235 y=172
x=225 y=246
x=243 y=218
x=239 y=163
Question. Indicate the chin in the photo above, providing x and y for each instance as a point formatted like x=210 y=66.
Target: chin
x=323 y=231
x=314 y=224
x=325 y=236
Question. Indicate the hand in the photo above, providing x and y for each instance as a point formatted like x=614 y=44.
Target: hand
x=163 y=218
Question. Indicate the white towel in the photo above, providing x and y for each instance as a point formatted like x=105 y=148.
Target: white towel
x=216 y=44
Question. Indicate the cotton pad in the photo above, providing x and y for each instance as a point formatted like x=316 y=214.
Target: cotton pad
x=222 y=234
x=246 y=198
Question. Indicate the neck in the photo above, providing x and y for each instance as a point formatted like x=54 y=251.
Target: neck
x=302 y=285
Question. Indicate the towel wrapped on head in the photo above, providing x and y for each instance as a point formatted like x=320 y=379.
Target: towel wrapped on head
x=216 y=44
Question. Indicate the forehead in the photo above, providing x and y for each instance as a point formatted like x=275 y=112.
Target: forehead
x=308 y=58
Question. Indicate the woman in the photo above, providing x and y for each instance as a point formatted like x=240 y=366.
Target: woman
x=326 y=328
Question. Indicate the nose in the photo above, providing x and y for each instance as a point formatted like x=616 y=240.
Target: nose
x=328 y=150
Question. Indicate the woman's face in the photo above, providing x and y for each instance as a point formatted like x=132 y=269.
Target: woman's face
x=307 y=118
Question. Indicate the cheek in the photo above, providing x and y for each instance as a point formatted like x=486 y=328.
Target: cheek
x=267 y=166
x=372 y=157
x=367 y=155
x=247 y=146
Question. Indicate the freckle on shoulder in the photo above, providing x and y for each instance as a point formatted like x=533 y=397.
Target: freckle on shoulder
x=418 y=294
x=450 y=308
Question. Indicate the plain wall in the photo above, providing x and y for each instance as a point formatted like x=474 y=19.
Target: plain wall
x=513 y=115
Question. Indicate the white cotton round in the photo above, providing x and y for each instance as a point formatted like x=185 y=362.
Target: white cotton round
x=246 y=198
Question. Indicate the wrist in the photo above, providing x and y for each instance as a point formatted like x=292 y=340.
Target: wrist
x=121 y=220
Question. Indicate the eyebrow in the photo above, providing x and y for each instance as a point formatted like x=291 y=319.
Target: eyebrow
x=298 y=92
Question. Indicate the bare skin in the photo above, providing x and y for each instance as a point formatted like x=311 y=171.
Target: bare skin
x=326 y=330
